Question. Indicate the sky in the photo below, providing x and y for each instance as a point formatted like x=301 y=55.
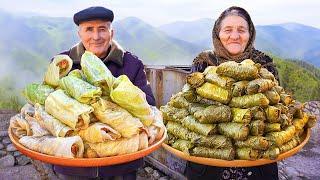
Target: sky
x=159 y=12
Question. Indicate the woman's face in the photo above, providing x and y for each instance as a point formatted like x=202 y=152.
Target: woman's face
x=234 y=34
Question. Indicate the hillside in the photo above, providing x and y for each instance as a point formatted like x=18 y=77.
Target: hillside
x=152 y=45
x=303 y=81
x=27 y=44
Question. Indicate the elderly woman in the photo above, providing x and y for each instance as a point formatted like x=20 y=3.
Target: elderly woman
x=233 y=38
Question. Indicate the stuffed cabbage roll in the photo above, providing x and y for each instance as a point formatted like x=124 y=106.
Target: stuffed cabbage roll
x=190 y=94
x=214 y=114
x=131 y=98
x=278 y=89
x=254 y=142
x=182 y=145
x=265 y=74
x=214 y=92
x=96 y=72
x=271 y=153
x=214 y=141
x=239 y=88
x=290 y=145
x=36 y=128
x=285 y=120
x=53 y=125
x=212 y=77
x=77 y=73
x=279 y=138
x=178 y=101
x=225 y=153
x=300 y=123
x=19 y=126
x=173 y=114
x=246 y=153
x=286 y=99
x=258 y=113
x=69 y=147
x=117 y=147
x=273 y=114
x=195 y=79
x=246 y=70
x=157 y=129
x=259 y=86
x=117 y=117
x=241 y=115
x=235 y=131
x=80 y=90
x=272 y=127
x=59 y=67
x=98 y=132
x=170 y=139
x=27 y=110
x=312 y=121
x=193 y=125
x=68 y=110
x=143 y=141
x=194 y=107
x=284 y=109
x=273 y=97
x=248 y=101
x=257 y=127
x=181 y=132
x=37 y=93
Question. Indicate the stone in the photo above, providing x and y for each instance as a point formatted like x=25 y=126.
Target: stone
x=5 y=116
x=45 y=170
x=141 y=172
x=2 y=153
x=148 y=169
x=155 y=174
x=20 y=172
x=23 y=160
x=291 y=172
x=1 y=146
x=11 y=148
x=7 y=161
x=6 y=140
x=16 y=153
x=164 y=178
x=3 y=133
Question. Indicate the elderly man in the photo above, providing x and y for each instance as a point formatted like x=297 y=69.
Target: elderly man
x=96 y=35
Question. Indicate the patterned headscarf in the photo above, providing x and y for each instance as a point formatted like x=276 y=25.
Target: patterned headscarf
x=221 y=53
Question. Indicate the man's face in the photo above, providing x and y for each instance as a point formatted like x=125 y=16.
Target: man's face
x=96 y=36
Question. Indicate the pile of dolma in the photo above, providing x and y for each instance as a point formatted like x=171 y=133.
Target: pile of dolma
x=234 y=111
x=86 y=113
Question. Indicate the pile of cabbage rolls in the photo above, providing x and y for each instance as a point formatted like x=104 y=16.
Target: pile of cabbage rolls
x=85 y=113
x=234 y=111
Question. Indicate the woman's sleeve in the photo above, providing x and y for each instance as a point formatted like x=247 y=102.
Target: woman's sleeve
x=271 y=67
x=202 y=61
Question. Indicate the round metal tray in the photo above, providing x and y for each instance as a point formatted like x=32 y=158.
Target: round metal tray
x=237 y=163
x=85 y=162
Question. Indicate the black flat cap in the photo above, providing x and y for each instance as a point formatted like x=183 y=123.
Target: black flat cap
x=93 y=13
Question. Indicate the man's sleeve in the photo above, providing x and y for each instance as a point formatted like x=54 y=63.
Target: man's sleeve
x=141 y=81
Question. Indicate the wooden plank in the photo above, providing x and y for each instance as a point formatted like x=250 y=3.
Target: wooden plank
x=169 y=172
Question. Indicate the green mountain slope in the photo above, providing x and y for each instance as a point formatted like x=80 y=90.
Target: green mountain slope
x=28 y=43
x=303 y=81
x=151 y=45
